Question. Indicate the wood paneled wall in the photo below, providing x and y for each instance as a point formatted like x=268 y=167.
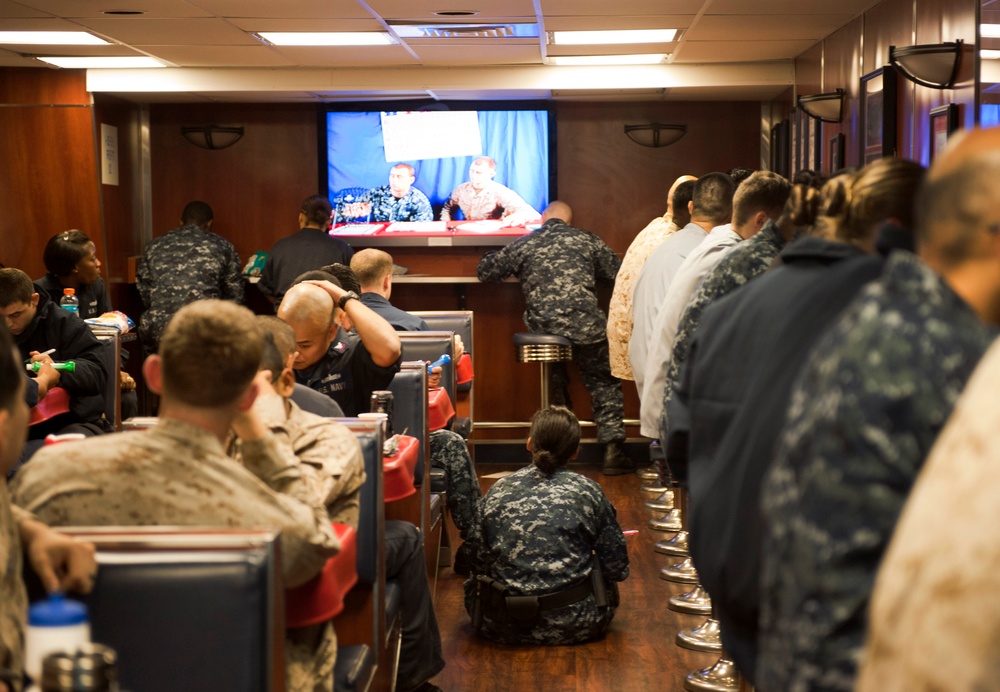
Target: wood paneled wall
x=858 y=48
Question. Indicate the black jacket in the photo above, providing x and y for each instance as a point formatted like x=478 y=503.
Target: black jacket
x=744 y=359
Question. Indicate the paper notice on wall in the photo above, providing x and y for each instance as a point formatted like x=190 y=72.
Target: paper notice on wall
x=418 y=135
x=109 y=154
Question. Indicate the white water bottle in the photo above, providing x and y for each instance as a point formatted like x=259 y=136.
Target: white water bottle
x=55 y=624
x=70 y=302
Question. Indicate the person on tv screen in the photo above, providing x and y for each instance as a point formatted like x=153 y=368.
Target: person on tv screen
x=484 y=198
x=399 y=200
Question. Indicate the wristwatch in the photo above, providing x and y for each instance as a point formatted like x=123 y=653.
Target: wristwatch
x=350 y=295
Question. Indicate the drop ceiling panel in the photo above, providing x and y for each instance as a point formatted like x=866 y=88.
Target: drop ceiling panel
x=788 y=7
x=345 y=56
x=296 y=24
x=410 y=9
x=569 y=8
x=302 y=9
x=592 y=22
x=95 y=8
x=219 y=56
x=142 y=31
x=10 y=9
x=620 y=49
x=40 y=24
x=740 y=51
x=11 y=59
x=479 y=54
x=723 y=28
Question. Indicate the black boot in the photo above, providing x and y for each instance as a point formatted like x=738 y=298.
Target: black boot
x=616 y=462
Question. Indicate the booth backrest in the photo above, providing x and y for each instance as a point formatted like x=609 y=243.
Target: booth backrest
x=409 y=394
x=458 y=321
x=111 y=358
x=430 y=346
x=189 y=608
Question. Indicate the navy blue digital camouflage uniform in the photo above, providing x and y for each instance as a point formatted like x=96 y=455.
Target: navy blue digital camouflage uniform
x=535 y=535
x=740 y=265
x=180 y=267
x=558 y=267
x=864 y=414
x=413 y=206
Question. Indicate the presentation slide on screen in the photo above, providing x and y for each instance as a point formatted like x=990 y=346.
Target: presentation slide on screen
x=420 y=135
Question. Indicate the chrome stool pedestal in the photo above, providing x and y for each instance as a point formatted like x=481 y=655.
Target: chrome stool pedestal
x=693 y=602
x=669 y=522
x=676 y=546
x=683 y=572
x=721 y=677
x=704 y=637
x=545 y=349
x=662 y=503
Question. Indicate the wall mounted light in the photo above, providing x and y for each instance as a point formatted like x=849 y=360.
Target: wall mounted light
x=212 y=136
x=930 y=65
x=827 y=108
x=655 y=135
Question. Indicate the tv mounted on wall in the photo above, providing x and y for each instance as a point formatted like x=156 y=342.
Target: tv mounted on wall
x=360 y=145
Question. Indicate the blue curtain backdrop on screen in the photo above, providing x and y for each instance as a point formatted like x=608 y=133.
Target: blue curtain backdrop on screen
x=518 y=140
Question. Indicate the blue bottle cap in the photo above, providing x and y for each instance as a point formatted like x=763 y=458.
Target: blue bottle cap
x=57 y=611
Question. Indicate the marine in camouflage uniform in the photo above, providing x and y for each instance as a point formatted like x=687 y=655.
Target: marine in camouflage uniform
x=535 y=536
x=863 y=417
x=181 y=266
x=13 y=596
x=741 y=264
x=413 y=206
x=558 y=266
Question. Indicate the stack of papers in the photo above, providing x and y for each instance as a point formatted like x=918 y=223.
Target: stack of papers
x=357 y=229
x=417 y=227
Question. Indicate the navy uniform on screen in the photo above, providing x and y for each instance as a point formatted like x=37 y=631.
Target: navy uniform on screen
x=558 y=267
x=399 y=200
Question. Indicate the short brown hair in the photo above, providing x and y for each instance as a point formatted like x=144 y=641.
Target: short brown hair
x=281 y=331
x=211 y=350
x=761 y=191
x=15 y=287
x=371 y=266
x=318 y=210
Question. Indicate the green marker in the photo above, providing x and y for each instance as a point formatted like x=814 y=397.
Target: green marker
x=68 y=366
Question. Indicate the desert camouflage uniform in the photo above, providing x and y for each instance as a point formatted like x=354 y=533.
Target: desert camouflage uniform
x=558 y=266
x=13 y=597
x=449 y=452
x=413 y=206
x=535 y=536
x=742 y=263
x=864 y=414
x=620 y=316
x=180 y=267
x=178 y=474
x=494 y=201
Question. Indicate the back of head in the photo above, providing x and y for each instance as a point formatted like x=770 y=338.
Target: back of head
x=558 y=210
x=882 y=190
x=64 y=250
x=371 y=266
x=809 y=178
x=10 y=371
x=673 y=188
x=316 y=275
x=679 y=201
x=555 y=438
x=279 y=343
x=761 y=191
x=317 y=210
x=346 y=278
x=210 y=350
x=956 y=209
x=15 y=287
x=713 y=198
x=740 y=174
x=197 y=213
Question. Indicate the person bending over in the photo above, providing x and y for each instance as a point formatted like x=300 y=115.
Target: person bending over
x=548 y=550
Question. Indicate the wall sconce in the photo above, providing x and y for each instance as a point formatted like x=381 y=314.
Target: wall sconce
x=212 y=136
x=930 y=65
x=655 y=135
x=827 y=108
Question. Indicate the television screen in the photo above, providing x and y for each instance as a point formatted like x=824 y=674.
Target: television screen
x=362 y=147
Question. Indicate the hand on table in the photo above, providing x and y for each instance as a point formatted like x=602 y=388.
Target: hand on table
x=60 y=561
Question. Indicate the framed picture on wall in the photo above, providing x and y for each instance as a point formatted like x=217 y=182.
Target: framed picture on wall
x=780 y=148
x=944 y=121
x=836 y=152
x=878 y=114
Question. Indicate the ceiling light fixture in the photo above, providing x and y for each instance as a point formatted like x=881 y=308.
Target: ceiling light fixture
x=989 y=54
x=603 y=38
x=931 y=65
x=105 y=63
x=827 y=108
x=51 y=38
x=989 y=30
x=327 y=38
x=597 y=60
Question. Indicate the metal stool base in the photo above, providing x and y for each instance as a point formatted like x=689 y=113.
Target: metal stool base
x=664 y=503
x=669 y=523
x=683 y=572
x=721 y=677
x=704 y=637
x=693 y=602
x=676 y=546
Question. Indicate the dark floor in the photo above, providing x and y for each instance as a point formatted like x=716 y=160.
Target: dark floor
x=638 y=652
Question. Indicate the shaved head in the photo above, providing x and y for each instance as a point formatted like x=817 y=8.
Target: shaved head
x=558 y=210
x=306 y=303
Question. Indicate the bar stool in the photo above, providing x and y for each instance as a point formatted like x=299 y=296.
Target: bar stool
x=544 y=349
x=722 y=676
x=684 y=571
x=703 y=637
x=693 y=602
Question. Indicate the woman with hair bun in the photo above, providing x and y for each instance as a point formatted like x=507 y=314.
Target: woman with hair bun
x=547 y=549
x=71 y=262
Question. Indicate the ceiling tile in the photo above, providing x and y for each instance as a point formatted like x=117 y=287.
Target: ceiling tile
x=141 y=31
x=96 y=8
x=12 y=59
x=479 y=54
x=301 y=9
x=788 y=7
x=571 y=8
x=10 y=9
x=219 y=56
x=739 y=51
x=297 y=24
x=723 y=28
x=592 y=22
x=489 y=10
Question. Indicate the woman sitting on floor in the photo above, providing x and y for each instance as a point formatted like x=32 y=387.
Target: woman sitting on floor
x=547 y=549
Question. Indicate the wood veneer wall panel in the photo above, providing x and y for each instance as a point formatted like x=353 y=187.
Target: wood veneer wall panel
x=842 y=70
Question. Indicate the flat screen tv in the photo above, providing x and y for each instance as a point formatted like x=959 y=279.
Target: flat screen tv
x=361 y=145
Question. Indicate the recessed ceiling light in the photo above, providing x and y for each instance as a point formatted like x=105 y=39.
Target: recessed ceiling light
x=457 y=13
x=327 y=38
x=98 y=63
x=638 y=59
x=989 y=54
x=120 y=13
x=597 y=38
x=989 y=30
x=52 y=38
